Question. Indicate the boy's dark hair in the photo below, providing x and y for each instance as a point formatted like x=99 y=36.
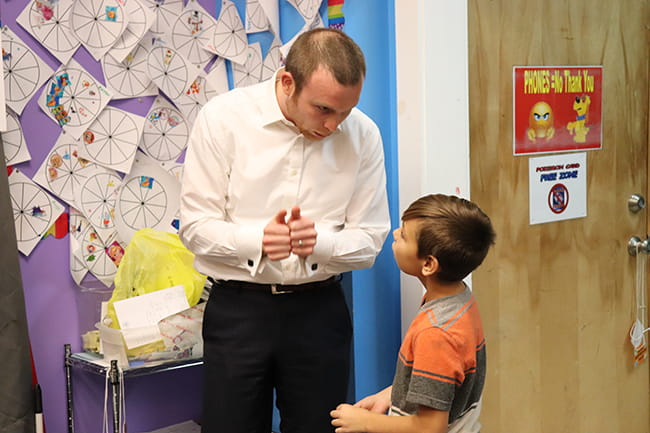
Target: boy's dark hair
x=327 y=47
x=453 y=230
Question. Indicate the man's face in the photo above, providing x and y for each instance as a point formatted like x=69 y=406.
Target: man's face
x=322 y=104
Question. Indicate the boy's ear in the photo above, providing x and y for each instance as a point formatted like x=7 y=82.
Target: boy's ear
x=430 y=266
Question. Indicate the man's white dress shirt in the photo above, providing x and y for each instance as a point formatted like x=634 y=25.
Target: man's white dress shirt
x=245 y=162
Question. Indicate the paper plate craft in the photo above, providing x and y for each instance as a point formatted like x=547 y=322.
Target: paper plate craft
x=250 y=72
x=98 y=24
x=174 y=168
x=256 y=19
x=170 y=70
x=23 y=71
x=165 y=132
x=166 y=12
x=147 y=198
x=77 y=225
x=272 y=61
x=34 y=211
x=141 y=18
x=97 y=255
x=49 y=23
x=195 y=97
x=13 y=141
x=112 y=139
x=191 y=32
x=229 y=37
x=73 y=98
x=63 y=170
x=129 y=78
x=96 y=197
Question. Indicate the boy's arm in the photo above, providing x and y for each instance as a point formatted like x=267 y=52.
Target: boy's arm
x=350 y=419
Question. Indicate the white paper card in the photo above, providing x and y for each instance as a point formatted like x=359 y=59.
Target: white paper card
x=147 y=310
x=136 y=337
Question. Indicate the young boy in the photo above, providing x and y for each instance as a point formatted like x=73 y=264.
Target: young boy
x=441 y=365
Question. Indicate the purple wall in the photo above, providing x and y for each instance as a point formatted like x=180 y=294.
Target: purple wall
x=56 y=306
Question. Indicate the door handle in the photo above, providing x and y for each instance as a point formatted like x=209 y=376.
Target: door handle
x=636 y=244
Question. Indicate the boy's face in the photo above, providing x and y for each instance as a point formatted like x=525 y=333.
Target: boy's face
x=405 y=248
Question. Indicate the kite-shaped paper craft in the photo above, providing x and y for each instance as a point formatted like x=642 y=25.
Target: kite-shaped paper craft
x=141 y=18
x=73 y=98
x=63 y=170
x=307 y=8
x=49 y=23
x=217 y=79
x=34 y=211
x=148 y=198
x=170 y=70
x=23 y=71
x=166 y=12
x=13 y=141
x=250 y=72
x=112 y=139
x=129 y=78
x=191 y=32
x=165 y=132
x=98 y=24
x=95 y=198
x=229 y=37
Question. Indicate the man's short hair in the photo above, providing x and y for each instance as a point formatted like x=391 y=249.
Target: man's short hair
x=330 y=48
x=453 y=230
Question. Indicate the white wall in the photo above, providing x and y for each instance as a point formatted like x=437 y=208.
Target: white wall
x=432 y=105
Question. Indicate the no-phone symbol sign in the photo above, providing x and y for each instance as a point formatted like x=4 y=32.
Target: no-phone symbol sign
x=558 y=198
x=552 y=180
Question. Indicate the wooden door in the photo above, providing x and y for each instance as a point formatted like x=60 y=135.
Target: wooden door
x=557 y=298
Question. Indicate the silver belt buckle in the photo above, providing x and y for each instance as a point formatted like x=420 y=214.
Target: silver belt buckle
x=274 y=290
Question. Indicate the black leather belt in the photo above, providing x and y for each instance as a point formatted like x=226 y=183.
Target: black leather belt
x=275 y=289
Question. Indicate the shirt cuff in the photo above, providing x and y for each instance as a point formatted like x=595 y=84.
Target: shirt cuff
x=323 y=251
x=248 y=242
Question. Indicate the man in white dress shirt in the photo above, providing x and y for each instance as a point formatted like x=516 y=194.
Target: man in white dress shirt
x=284 y=189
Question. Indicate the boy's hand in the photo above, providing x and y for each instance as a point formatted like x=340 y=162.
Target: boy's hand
x=378 y=403
x=349 y=419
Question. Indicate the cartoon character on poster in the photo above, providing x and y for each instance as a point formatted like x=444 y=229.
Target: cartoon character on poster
x=557 y=109
x=579 y=127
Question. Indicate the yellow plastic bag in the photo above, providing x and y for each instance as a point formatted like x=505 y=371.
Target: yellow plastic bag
x=155 y=260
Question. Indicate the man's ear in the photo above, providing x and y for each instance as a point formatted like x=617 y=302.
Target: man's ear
x=288 y=84
x=430 y=266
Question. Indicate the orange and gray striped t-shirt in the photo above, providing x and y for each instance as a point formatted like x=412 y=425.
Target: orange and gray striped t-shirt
x=441 y=363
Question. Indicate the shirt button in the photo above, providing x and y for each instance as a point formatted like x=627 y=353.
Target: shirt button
x=251 y=263
x=293 y=172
